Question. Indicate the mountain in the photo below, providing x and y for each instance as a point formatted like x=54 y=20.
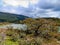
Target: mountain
x=11 y=17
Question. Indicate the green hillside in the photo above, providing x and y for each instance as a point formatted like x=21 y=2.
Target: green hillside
x=11 y=17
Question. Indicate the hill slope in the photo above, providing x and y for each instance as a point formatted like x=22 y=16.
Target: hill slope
x=11 y=17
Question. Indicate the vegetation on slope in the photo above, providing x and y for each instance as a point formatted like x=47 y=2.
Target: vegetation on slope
x=39 y=32
x=8 y=17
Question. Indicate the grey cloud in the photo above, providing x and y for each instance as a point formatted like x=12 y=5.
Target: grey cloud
x=32 y=10
x=49 y=5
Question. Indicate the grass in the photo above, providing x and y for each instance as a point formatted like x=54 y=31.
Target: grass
x=9 y=42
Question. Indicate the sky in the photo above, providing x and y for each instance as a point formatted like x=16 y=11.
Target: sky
x=32 y=8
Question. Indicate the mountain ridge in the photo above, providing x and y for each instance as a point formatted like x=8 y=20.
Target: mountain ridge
x=11 y=17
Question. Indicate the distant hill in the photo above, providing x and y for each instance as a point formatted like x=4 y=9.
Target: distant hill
x=11 y=17
x=57 y=20
x=53 y=19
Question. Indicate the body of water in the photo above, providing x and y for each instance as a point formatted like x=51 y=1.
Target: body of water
x=59 y=29
x=15 y=26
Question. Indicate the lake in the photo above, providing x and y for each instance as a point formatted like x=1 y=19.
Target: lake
x=59 y=29
x=15 y=26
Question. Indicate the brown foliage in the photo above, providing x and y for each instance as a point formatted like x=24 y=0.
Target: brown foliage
x=41 y=27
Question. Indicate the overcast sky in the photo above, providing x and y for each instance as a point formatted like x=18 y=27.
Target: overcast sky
x=32 y=8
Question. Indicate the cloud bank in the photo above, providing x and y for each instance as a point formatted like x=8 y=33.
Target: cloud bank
x=32 y=8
